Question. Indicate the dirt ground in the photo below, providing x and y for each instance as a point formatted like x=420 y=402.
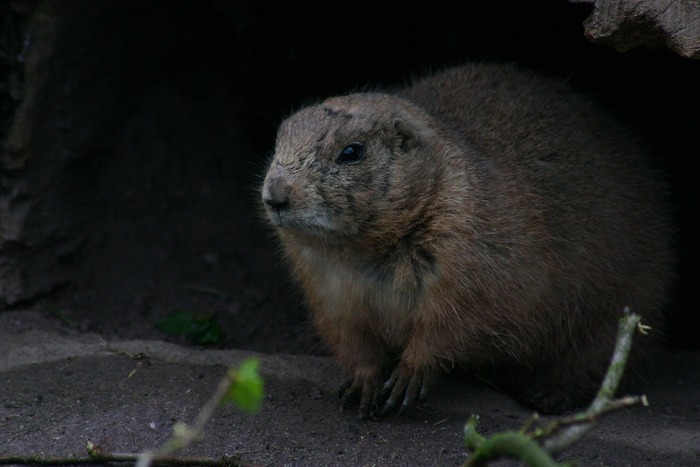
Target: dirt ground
x=61 y=387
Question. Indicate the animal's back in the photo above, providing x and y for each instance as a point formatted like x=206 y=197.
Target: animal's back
x=567 y=186
x=566 y=165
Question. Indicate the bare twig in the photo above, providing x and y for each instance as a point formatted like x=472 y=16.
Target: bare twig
x=184 y=435
x=138 y=356
x=207 y=290
x=603 y=402
x=534 y=446
x=98 y=456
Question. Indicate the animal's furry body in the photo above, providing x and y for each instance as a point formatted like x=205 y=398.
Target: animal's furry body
x=482 y=217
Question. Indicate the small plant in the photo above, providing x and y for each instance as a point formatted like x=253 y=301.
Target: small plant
x=200 y=328
x=246 y=389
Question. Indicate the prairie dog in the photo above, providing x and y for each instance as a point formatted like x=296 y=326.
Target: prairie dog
x=482 y=217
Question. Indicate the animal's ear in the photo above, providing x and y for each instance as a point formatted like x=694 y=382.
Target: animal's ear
x=412 y=126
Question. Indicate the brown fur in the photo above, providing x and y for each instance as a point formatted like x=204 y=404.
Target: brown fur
x=497 y=221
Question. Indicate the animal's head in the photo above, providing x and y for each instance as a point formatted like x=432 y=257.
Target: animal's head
x=350 y=166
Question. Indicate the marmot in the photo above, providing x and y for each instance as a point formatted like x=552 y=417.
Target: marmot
x=483 y=217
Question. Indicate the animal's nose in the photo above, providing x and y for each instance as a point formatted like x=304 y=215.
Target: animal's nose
x=277 y=197
x=277 y=190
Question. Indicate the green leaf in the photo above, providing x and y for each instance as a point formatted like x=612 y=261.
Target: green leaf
x=201 y=328
x=247 y=388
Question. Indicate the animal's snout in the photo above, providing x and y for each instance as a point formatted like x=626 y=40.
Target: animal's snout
x=277 y=189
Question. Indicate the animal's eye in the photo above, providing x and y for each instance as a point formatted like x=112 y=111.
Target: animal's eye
x=351 y=153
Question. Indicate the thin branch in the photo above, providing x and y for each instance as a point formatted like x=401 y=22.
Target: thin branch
x=102 y=457
x=603 y=402
x=207 y=290
x=138 y=357
x=561 y=433
x=589 y=418
x=184 y=435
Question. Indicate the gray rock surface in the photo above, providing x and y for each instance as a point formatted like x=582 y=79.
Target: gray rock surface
x=625 y=24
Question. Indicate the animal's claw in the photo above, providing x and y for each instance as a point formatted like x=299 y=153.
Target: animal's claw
x=403 y=389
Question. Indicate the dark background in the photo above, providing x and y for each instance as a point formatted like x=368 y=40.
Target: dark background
x=163 y=116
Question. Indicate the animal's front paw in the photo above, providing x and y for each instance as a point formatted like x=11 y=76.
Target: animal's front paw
x=405 y=387
x=361 y=390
